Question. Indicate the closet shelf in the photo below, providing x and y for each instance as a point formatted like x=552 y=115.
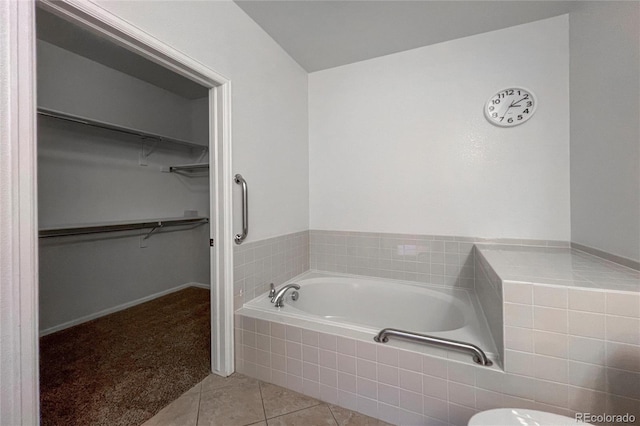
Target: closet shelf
x=46 y=112
x=96 y=228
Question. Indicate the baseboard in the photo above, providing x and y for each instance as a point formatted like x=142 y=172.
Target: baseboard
x=120 y=307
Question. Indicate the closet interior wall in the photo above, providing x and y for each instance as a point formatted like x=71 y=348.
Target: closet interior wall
x=90 y=175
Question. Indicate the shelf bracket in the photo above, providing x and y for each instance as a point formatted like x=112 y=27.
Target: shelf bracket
x=144 y=154
x=153 y=230
x=202 y=155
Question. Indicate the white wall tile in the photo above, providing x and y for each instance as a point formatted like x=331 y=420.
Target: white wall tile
x=586 y=324
x=586 y=350
x=366 y=369
x=310 y=354
x=623 y=329
x=410 y=380
x=587 y=300
x=328 y=394
x=411 y=401
x=518 y=293
x=434 y=387
x=346 y=382
x=327 y=341
x=519 y=339
x=622 y=356
x=346 y=363
x=462 y=394
x=388 y=374
x=519 y=363
x=367 y=388
x=551 y=369
x=556 y=394
x=346 y=346
x=586 y=375
x=518 y=315
x=623 y=383
x=624 y=304
x=328 y=377
x=436 y=408
x=586 y=400
x=366 y=350
x=410 y=360
x=550 y=319
x=388 y=394
x=432 y=366
x=555 y=297
x=387 y=355
x=459 y=415
x=294 y=350
x=294 y=367
x=551 y=344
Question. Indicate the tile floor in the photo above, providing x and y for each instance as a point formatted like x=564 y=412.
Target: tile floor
x=240 y=400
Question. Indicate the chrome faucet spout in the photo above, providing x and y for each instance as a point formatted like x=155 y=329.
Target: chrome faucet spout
x=278 y=299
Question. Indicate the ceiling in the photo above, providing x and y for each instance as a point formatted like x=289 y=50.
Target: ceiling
x=326 y=34
x=59 y=32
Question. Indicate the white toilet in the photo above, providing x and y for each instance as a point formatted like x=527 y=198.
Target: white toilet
x=519 y=417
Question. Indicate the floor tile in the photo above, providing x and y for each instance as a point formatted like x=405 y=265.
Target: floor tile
x=181 y=412
x=346 y=417
x=195 y=389
x=236 y=405
x=317 y=416
x=278 y=401
x=213 y=381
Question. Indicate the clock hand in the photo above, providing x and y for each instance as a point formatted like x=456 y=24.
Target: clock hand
x=505 y=111
x=517 y=102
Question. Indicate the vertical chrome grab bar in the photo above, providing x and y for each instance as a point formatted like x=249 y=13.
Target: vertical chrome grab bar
x=479 y=357
x=239 y=238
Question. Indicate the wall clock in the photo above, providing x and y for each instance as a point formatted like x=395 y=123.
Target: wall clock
x=510 y=107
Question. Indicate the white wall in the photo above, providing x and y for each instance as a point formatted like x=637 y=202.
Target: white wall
x=73 y=84
x=605 y=133
x=269 y=96
x=400 y=144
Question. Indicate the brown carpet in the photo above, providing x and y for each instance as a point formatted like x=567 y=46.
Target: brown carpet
x=123 y=368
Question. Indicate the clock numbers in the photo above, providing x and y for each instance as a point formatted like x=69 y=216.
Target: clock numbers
x=510 y=107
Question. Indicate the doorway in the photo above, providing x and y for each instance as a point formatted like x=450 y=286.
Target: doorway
x=95 y=20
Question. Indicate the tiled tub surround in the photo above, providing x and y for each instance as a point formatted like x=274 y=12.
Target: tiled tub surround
x=571 y=346
x=274 y=260
x=571 y=322
x=488 y=288
x=432 y=259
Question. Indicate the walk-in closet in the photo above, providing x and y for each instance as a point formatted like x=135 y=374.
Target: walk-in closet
x=124 y=212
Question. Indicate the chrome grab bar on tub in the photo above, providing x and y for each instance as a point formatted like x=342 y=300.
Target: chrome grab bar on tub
x=239 y=238
x=479 y=357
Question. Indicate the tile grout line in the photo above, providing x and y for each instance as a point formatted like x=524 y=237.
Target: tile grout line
x=296 y=411
x=333 y=415
x=264 y=411
x=199 y=400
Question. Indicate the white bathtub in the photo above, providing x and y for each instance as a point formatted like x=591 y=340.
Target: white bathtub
x=360 y=307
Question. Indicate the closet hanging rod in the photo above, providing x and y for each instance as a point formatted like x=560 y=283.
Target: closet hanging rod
x=46 y=112
x=188 y=167
x=121 y=226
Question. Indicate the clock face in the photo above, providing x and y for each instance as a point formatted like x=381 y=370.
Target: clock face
x=510 y=107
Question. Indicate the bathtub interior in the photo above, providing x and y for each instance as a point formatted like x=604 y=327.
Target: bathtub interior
x=456 y=313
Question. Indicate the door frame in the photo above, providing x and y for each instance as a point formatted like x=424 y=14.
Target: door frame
x=19 y=400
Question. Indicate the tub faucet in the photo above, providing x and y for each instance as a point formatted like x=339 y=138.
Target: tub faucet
x=278 y=299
